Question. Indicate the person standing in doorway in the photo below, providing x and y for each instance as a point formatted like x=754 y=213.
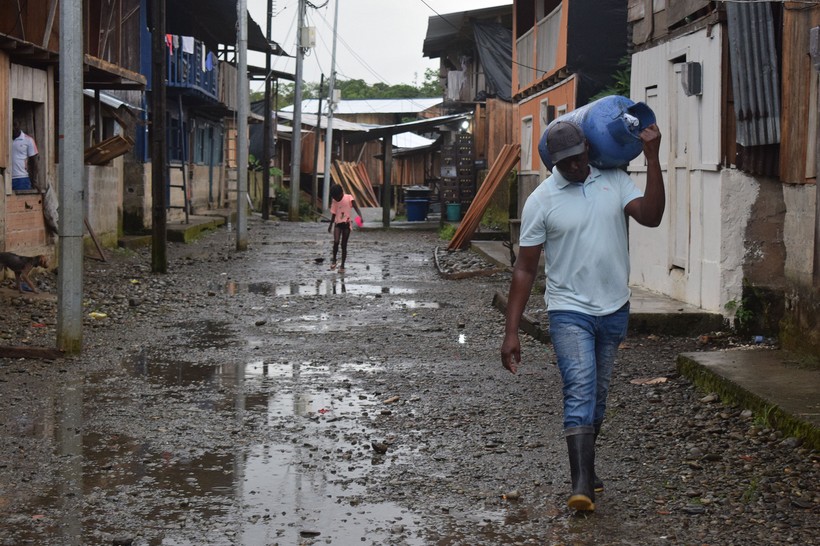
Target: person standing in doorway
x=24 y=160
x=578 y=216
x=341 y=207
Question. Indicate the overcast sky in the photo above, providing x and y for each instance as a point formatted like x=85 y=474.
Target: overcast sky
x=377 y=40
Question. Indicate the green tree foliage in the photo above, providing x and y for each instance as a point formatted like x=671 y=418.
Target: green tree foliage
x=359 y=89
x=620 y=80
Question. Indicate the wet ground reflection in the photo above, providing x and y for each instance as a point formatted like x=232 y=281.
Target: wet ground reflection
x=321 y=287
x=305 y=480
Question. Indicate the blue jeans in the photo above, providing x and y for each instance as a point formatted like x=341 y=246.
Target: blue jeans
x=21 y=183
x=586 y=347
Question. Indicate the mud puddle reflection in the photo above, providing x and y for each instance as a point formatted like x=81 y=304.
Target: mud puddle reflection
x=321 y=287
x=193 y=454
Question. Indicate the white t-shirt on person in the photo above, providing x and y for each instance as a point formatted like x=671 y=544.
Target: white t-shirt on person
x=23 y=147
x=583 y=227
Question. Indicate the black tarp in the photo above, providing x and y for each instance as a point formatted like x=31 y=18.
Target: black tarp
x=213 y=22
x=494 y=45
x=597 y=42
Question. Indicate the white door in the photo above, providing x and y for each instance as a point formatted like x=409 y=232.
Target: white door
x=678 y=173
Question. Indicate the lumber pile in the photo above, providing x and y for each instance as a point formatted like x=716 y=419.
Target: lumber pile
x=503 y=164
x=355 y=181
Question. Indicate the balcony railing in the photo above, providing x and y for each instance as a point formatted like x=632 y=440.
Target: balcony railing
x=526 y=53
x=538 y=49
x=546 y=39
x=198 y=70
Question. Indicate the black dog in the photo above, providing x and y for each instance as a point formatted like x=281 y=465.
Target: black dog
x=21 y=266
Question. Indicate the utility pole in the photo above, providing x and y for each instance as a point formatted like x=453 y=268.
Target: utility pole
x=814 y=50
x=159 y=150
x=314 y=190
x=331 y=104
x=296 y=142
x=266 y=126
x=242 y=127
x=70 y=279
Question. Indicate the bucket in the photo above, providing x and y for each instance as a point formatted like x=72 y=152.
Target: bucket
x=612 y=125
x=416 y=209
x=453 y=212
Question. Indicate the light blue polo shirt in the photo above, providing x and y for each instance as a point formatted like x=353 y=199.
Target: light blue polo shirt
x=583 y=227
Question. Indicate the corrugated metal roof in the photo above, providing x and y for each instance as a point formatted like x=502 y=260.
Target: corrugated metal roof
x=754 y=72
x=371 y=106
x=338 y=124
x=111 y=100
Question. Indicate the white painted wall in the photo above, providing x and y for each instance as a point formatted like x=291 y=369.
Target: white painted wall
x=708 y=208
x=798 y=231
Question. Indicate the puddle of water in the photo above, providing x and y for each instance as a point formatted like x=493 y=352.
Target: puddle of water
x=287 y=504
x=413 y=304
x=313 y=485
x=206 y=334
x=321 y=287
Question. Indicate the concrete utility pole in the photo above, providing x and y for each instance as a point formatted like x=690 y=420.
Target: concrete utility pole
x=296 y=140
x=814 y=47
x=72 y=204
x=159 y=149
x=242 y=127
x=331 y=104
x=266 y=126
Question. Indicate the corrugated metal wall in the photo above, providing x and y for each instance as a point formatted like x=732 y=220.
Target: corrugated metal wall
x=755 y=76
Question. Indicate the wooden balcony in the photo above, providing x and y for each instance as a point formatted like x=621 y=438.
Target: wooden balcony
x=198 y=70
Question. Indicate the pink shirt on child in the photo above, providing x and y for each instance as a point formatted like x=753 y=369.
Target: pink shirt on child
x=342 y=209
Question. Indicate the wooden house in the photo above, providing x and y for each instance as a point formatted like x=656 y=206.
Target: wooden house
x=474 y=49
x=735 y=89
x=355 y=117
x=29 y=59
x=200 y=118
x=565 y=52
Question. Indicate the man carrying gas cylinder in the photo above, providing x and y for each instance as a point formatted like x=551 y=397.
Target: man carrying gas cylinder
x=578 y=216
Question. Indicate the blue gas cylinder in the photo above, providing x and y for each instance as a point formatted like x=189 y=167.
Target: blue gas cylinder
x=612 y=126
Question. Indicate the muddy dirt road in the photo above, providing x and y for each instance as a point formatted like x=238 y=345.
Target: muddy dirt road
x=258 y=398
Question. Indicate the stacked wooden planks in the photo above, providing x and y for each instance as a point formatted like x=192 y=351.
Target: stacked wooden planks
x=504 y=163
x=355 y=181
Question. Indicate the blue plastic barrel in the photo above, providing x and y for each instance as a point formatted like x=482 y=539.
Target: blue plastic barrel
x=612 y=126
x=416 y=209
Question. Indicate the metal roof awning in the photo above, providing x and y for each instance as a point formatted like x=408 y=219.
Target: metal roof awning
x=338 y=124
x=257 y=73
x=110 y=100
x=415 y=126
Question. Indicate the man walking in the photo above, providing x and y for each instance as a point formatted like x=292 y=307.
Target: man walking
x=578 y=216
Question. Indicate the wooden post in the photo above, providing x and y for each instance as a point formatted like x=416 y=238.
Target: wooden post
x=387 y=185
x=159 y=237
